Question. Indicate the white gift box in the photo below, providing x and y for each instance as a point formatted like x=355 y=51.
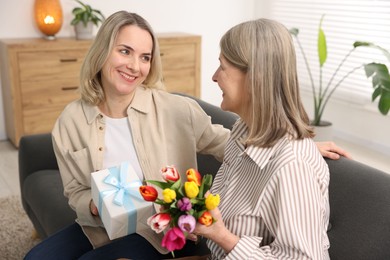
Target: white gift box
x=115 y=192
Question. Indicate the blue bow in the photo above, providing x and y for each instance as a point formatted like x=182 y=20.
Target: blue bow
x=121 y=187
x=117 y=179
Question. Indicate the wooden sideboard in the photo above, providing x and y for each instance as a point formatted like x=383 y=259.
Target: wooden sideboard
x=40 y=77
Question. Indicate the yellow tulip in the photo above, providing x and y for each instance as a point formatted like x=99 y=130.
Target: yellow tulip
x=212 y=201
x=191 y=189
x=169 y=195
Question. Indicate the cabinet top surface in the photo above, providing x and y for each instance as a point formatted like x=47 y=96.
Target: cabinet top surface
x=32 y=43
x=72 y=40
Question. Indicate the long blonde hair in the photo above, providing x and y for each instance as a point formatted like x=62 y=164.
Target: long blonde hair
x=264 y=50
x=90 y=76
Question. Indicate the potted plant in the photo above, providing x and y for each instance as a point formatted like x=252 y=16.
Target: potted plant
x=322 y=93
x=85 y=17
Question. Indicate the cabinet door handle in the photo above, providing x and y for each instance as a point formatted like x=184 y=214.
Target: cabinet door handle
x=161 y=54
x=68 y=60
x=69 y=88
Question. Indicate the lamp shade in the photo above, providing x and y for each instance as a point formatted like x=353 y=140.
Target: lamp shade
x=48 y=16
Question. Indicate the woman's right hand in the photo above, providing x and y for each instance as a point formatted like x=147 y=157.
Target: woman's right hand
x=93 y=208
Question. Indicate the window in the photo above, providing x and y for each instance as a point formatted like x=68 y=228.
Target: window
x=344 y=23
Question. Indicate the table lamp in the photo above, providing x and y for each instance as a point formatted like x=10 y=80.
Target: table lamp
x=48 y=17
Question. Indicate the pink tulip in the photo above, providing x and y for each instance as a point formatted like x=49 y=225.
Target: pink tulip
x=186 y=223
x=174 y=239
x=169 y=173
x=158 y=222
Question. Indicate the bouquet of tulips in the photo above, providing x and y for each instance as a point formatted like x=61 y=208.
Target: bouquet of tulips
x=182 y=205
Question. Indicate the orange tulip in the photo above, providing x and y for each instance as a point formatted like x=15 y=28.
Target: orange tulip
x=194 y=176
x=206 y=219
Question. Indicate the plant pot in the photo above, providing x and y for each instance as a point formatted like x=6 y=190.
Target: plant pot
x=84 y=32
x=324 y=132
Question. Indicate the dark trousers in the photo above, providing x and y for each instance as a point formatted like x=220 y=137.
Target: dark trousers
x=71 y=243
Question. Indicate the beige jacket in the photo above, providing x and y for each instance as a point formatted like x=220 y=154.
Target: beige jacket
x=167 y=129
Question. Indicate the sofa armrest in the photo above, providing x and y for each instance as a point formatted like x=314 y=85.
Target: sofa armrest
x=359 y=197
x=35 y=153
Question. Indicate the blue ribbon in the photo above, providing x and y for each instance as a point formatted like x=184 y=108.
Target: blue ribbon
x=124 y=192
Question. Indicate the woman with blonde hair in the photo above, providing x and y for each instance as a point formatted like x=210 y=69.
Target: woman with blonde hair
x=123 y=115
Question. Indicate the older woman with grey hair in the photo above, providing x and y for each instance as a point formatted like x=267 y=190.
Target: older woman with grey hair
x=273 y=182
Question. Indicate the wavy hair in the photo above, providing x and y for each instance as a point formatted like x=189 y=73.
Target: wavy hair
x=90 y=75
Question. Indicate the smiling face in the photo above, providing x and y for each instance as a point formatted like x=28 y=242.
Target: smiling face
x=231 y=80
x=128 y=63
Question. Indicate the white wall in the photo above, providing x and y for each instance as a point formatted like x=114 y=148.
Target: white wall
x=207 y=18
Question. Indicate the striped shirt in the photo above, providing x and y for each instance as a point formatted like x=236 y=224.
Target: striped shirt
x=275 y=199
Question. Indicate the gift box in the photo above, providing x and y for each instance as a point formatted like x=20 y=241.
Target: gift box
x=115 y=192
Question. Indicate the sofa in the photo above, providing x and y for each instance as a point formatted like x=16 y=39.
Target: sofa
x=359 y=196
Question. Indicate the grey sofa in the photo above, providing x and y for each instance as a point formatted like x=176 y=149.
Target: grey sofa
x=359 y=196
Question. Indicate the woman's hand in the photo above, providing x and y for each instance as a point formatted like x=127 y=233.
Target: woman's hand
x=217 y=232
x=331 y=150
x=93 y=208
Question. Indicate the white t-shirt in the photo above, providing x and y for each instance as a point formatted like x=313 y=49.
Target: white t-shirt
x=119 y=146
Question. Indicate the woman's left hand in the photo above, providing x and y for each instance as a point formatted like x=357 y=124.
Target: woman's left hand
x=331 y=150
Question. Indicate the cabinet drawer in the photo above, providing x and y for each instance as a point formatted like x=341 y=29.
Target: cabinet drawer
x=179 y=67
x=41 y=120
x=50 y=65
x=48 y=78
x=37 y=95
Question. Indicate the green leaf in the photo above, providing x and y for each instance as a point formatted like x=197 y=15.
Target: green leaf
x=86 y=14
x=82 y=4
x=384 y=103
x=161 y=202
x=160 y=184
x=197 y=201
x=77 y=11
x=176 y=185
x=199 y=213
x=360 y=44
x=379 y=69
x=205 y=185
x=294 y=31
x=381 y=84
x=376 y=93
x=322 y=49
x=372 y=45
